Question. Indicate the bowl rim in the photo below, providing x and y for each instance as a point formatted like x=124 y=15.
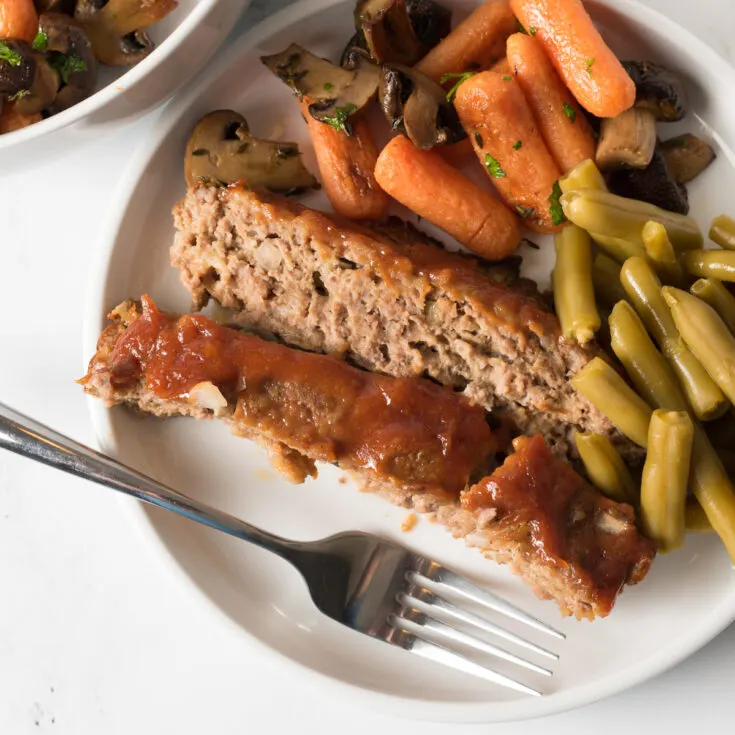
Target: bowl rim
x=714 y=623
x=118 y=87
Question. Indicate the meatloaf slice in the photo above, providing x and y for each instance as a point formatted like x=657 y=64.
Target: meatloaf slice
x=409 y=440
x=391 y=301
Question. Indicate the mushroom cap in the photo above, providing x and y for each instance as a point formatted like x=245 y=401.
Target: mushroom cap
x=17 y=67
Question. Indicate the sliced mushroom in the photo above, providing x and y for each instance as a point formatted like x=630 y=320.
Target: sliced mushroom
x=222 y=150
x=401 y=31
x=418 y=107
x=43 y=91
x=627 y=141
x=687 y=156
x=654 y=184
x=69 y=53
x=17 y=67
x=116 y=27
x=334 y=93
x=659 y=90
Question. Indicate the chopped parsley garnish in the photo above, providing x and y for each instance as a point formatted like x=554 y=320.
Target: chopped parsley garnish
x=40 y=42
x=460 y=77
x=339 y=120
x=533 y=30
x=10 y=55
x=478 y=140
x=66 y=65
x=19 y=95
x=494 y=168
x=521 y=28
x=518 y=145
x=507 y=77
x=590 y=63
x=555 y=209
x=525 y=212
x=328 y=87
x=570 y=112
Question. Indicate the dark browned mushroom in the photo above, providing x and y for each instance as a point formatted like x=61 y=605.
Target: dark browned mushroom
x=56 y=6
x=69 y=53
x=116 y=28
x=626 y=141
x=659 y=90
x=335 y=93
x=17 y=67
x=418 y=107
x=43 y=91
x=687 y=156
x=401 y=31
x=221 y=149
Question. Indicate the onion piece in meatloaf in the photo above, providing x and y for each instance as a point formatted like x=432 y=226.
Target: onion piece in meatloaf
x=392 y=301
x=416 y=443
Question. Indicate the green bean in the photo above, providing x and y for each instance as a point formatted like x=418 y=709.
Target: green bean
x=606 y=280
x=718 y=297
x=722 y=231
x=644 y=291
x=618 y=249
x=605 y=468
x=695 y=519
x=710 y=263
x=661 y=252
x=665 y=477
x=708 y=479
x=602 y=386
x=614 y=216
x=574 y=295
x=584 y=175
x=706 y=335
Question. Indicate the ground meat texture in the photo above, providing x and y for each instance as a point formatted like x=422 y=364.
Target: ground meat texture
x=152 y=362
x=391 y=301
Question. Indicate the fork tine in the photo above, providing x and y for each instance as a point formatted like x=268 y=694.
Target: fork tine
x=444 y=630
x=418 y=644
x=442 y=578
x=460 y=615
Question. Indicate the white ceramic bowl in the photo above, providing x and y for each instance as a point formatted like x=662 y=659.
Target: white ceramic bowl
x=185 y=40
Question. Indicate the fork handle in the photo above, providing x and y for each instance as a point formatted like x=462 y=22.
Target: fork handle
x=28 y=438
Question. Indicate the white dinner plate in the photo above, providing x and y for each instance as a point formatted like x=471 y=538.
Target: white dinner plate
x=687 y=598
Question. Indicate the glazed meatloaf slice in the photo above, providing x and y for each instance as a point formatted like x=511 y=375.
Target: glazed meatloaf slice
x=391 y=301
x=416 y=443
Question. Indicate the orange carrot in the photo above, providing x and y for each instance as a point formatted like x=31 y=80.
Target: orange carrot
x=458 y=154
x=564 y=127
x=427 y=185
x=18 y=19
x=346 y=164
x=10 y=120
x=584 y=61
x=476 y=43
x=500 y=124
x=502 y=67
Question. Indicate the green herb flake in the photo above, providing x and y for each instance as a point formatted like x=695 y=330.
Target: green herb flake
x=10 y=55
x=555 y=209
x=339 y=120
x=328 y=87
x=461 y=77
x=479 y=140
x=590 y=63
x=518 y=145
x=525 y=212
x=494 y=168
x=570 y=112
x=40 y=42
x=66 y=65
x=507 y=77
x=532 y=31
x=521 y=28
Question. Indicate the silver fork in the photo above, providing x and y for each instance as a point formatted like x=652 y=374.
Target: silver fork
x=369 y=584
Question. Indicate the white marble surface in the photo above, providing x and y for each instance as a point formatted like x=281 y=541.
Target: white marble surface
x=94 y=638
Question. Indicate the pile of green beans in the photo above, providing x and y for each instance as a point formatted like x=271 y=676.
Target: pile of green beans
x=606 y=469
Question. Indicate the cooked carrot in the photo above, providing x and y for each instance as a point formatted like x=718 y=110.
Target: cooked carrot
x=502 y=67
x=507 y=141
x=582 y=58
x=476 y=43
x=18 y=19
x=346 y=164
x=10 y=120
x=429 y=186
x=458 y=154
x=562 y=124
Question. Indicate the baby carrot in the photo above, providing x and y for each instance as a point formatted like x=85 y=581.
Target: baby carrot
x=476 y=43
x=458 y=154
x=500 y=125
x=346 y=164
x=429 y=186
x=18 y=19
x=582 y=58
x=563 y=125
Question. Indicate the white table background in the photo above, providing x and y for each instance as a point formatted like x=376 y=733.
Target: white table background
x=95 y=639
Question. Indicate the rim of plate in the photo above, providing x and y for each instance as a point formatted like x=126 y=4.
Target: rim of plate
x=719 y=617
x=131 y=77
